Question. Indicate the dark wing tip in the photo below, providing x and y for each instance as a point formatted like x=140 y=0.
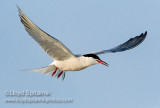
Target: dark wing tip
x=131 y=43
x=141 y=37
x=145 y=34
x=136 y=40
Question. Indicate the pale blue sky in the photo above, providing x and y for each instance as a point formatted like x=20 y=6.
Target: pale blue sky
x=131 y=81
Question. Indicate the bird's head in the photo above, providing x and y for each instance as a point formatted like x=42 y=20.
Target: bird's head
x=96 y=59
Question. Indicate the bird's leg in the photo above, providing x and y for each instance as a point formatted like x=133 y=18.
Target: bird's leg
x=60 y=74
x=63 y=76
x=54 y=72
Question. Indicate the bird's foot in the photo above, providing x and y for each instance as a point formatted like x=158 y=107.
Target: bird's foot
x=59 y=74
x=54 y=72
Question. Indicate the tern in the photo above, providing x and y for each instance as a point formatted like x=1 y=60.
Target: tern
x=63 y=59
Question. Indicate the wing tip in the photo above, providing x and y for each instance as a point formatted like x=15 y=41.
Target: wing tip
x=17 y=7
x=19 y=10
x=143 y=35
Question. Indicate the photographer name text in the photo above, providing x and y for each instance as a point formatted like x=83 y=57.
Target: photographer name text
x=28 y=93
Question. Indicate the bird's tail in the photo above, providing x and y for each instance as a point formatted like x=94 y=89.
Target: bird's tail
x=44 y=70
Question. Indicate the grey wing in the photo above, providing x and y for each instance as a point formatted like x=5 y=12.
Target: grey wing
x=55 y=49
x=131 y=43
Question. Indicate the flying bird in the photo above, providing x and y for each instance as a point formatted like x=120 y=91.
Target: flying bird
x=64 y=59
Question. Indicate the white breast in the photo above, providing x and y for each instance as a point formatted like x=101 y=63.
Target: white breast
x=74 y=63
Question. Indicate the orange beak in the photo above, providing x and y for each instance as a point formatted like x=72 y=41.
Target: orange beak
x=103 y=63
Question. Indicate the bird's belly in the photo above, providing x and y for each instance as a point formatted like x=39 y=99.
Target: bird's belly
x=70 y=65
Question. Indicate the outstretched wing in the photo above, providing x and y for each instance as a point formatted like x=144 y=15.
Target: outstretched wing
x=51 y=45
x=131 y=43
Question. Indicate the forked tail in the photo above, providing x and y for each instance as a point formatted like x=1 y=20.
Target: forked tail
x=51 y=69
x=44 y=70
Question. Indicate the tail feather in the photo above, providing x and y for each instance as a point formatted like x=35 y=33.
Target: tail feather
x=44 y=70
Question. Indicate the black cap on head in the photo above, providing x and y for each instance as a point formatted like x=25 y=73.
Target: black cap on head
x=92 y=55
